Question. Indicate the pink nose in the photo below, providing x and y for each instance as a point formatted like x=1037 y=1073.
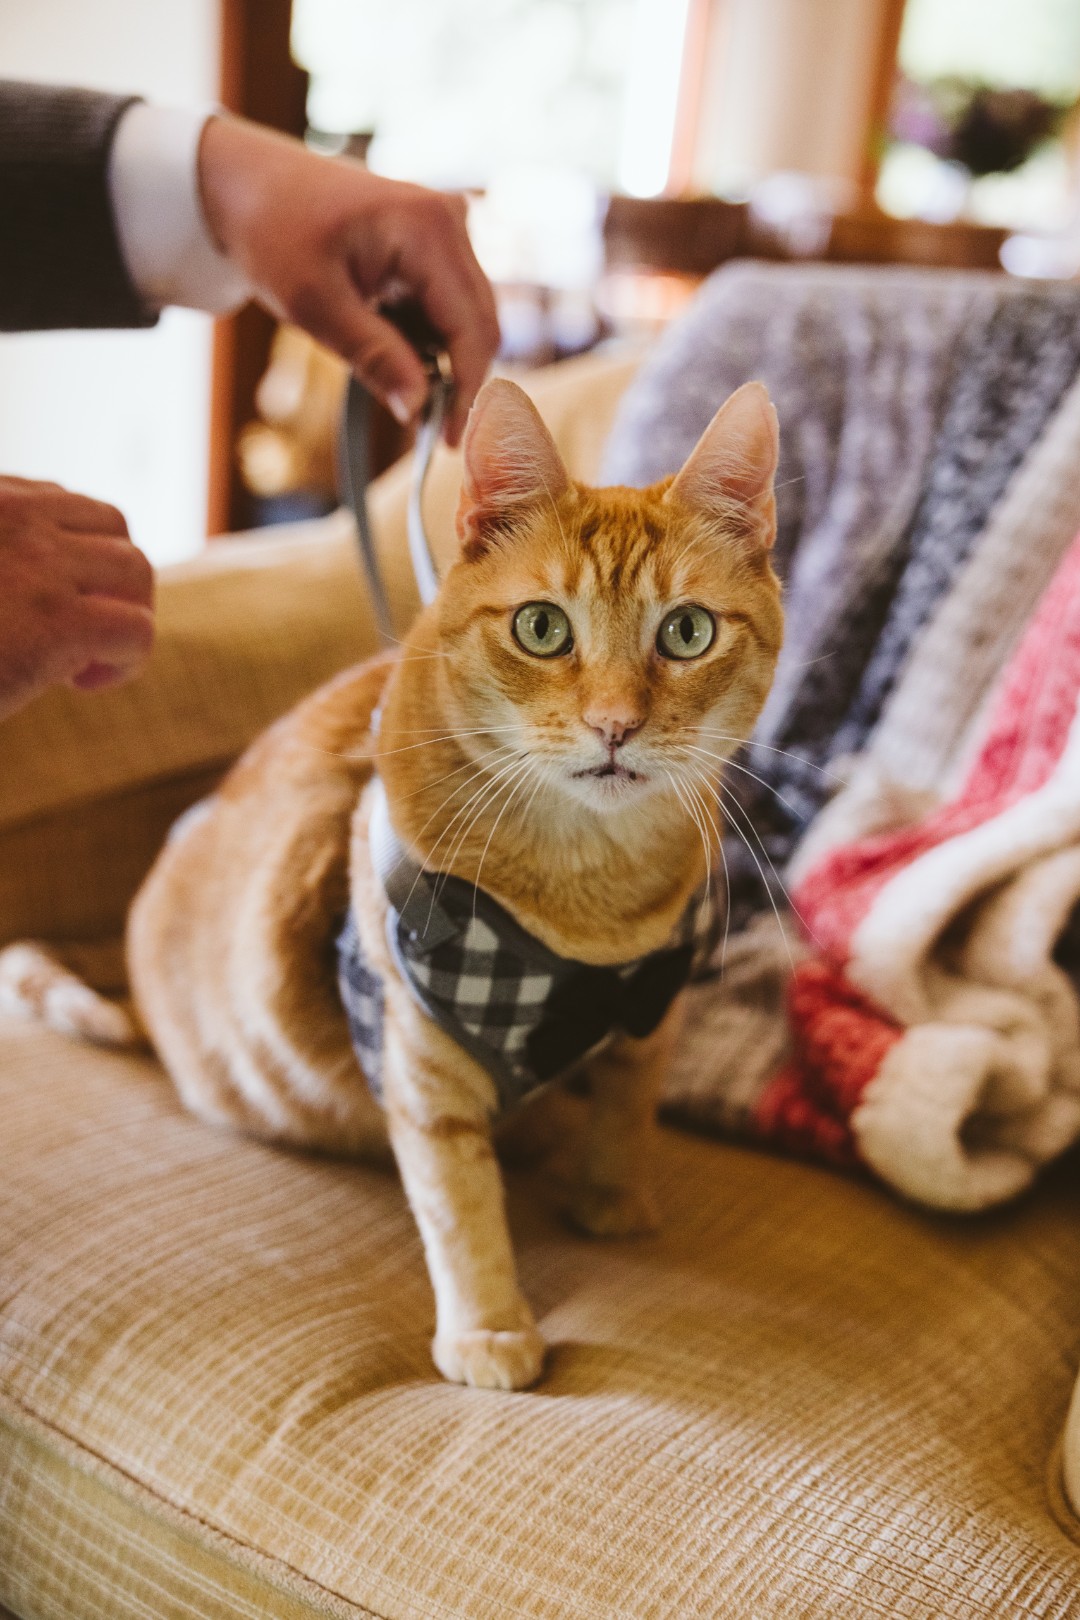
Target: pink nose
x=613 y=729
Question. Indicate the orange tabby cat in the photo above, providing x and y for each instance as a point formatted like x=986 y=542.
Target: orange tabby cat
x=552 y=729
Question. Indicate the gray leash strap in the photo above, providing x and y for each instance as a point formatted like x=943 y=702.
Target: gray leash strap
x=355 y=472
x=427 y=580
x=354 y=469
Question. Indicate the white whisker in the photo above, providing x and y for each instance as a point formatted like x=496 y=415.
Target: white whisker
x=450 y=736
x=748 y=742
x=761 y=873
x=482 y=771
x=499 y=753
x=693 y=817
x=483 y=795
x=699 y=798
x=420 y=731
x=514 y=785
x=387 y=753
x=732 y=765
x=780 y=882
x=499 y=785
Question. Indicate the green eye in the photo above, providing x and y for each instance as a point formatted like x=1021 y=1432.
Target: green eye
x=542 y=629
x=686 y=633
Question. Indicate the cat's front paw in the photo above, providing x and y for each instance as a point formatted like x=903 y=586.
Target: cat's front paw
x=613 y=1211
x=490 y=1360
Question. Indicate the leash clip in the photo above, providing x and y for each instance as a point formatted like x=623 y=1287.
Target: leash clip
x=431 y=423
x=354 y=462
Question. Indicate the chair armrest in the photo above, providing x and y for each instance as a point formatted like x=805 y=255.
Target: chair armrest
x=90 y=784
x=244 y=631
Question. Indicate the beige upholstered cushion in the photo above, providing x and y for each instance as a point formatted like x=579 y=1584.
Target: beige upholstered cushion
x=802 y=1399
x=243 y=633
x=89 y=785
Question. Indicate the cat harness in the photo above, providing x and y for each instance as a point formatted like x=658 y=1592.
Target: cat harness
x=524 y=1013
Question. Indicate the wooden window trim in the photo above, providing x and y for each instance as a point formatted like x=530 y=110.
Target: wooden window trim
x=258 y=80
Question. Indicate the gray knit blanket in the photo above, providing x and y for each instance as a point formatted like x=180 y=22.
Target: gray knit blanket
x=907 y=400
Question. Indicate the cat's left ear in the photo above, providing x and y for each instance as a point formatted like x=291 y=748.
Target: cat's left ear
x=729 y=474
x=510 y=462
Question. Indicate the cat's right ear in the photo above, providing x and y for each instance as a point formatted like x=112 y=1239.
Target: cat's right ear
x=729 y=474
x=510 y=461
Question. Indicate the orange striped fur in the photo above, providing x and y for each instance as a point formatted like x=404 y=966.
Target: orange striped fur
x=492 y=760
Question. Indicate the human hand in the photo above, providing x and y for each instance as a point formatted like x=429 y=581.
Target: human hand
x=76 y=596
x=321 y=239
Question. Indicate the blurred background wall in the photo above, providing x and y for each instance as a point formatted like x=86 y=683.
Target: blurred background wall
x=122 y=416
x=614 y=152
x=789 y=86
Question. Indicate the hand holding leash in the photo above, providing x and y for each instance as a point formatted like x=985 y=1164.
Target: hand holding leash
x=411 y=321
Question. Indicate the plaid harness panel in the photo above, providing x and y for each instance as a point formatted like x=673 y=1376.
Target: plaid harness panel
x=520 y=1010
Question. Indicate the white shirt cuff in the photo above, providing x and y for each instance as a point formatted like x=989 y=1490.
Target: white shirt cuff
x=169 y=252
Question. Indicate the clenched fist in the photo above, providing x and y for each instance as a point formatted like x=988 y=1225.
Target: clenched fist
x=76 y=596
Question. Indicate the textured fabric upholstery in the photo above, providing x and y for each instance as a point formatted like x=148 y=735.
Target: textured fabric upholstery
x=89 y=785
x=907 y=399
x=801 y=1399
x=216 y=676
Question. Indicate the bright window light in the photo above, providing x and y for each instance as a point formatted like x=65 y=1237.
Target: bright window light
x=1035 y=43
x=651 y=98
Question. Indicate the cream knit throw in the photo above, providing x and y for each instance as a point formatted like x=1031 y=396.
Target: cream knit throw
x=907 y=401
x=936 y=1038
x=927 y=729
x=737 y=1035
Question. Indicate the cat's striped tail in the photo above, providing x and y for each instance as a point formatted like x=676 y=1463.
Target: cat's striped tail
x=33 y=984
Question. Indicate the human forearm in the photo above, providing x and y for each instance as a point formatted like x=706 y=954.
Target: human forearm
x=61 y=263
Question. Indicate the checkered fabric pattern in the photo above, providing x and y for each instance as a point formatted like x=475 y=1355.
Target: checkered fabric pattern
x=523 y=1012
x=362 y=996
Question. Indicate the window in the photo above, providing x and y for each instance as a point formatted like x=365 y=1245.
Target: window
x=951 y=49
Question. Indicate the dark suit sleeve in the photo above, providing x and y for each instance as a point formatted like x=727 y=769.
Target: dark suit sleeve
x=60 y=259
